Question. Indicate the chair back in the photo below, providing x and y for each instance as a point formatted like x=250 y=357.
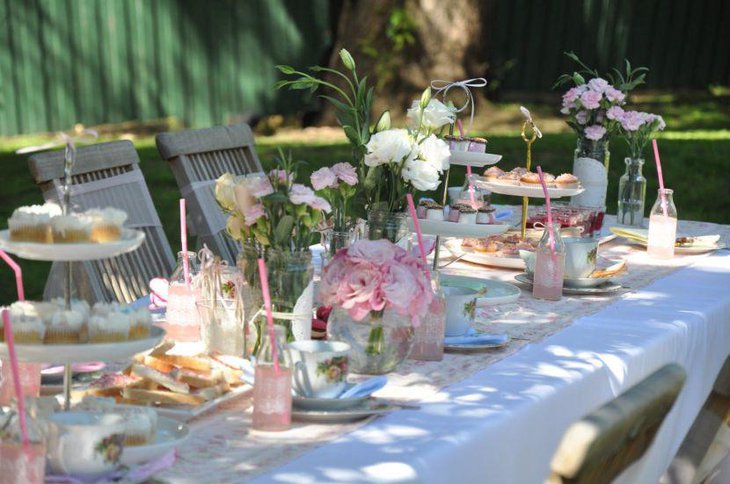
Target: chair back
x=597 y=448
x=107 y=175
x=197 y=158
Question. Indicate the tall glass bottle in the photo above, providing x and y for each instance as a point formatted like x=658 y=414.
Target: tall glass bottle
x=662 y=226
x=183 y=321
x=428 y=342
x=272 y=386
x=631 y=194
x=549 y=266
x=21 y=464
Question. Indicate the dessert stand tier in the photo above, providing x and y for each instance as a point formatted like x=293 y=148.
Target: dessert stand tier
x=479 y=160
x=76 y=353
x=130 y=240
x=522 y=190
x=455 y=229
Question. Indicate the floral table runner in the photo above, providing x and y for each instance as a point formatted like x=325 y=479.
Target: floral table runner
x=223 y=445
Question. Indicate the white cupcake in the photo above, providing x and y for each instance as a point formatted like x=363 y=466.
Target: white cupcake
x=28 y=327
x=74 y=228
x=106 y=224
x=79 y=305
x=104 y=309
x=141 y=324
x=65 y=328
x=140 y=425
x=33 y=223
x=109 y=329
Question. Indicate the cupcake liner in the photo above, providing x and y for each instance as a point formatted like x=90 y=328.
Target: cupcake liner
x=61 y=336
x=31 y=233
x=103 y=232
x=71 y=236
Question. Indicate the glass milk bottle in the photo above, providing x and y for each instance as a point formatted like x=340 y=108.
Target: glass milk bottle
x=21 y=464
x=182 y=318
x=548 y=277
x=272 y=389
x=429 y=335
x=30 y=380
x=662 y=226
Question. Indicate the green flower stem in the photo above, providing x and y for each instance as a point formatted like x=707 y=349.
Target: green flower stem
x=375 y=340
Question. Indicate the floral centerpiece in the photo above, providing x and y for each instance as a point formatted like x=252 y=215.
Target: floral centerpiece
x=637 y=128
x=379 y=292
x=276 y=218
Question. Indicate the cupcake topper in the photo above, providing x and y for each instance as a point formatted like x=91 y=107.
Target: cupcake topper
x=443 y=88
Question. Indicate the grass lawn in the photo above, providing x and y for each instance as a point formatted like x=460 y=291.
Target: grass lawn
x=696 y=166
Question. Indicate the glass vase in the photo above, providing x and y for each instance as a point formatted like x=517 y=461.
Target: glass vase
x=428 y=342
x=590 y=165
x=334 y=240
x=378 y=343
x=387 y=225
x=290 y=275
x=631 y=194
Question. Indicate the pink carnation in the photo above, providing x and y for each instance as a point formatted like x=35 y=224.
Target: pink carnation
x=614 y=95
x=259 y=186
x=615 y=113
x=599 y=85
x=280 y=176
x=632 y=120
x=345 y=172
x=323 y=178
x=320 y=203
x=569 y=97
x=595 y=132
x=581 y=117
x=376 y=251
x=253 y=213
x=300 y=194
x=360 y=292
x=591 y=99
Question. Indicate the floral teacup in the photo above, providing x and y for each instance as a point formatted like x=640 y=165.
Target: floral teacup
x=320 y=368
x=461 y=304
x=84 y=444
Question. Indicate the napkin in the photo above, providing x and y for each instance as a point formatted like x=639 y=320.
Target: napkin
x=476 y=339
x=365 y=388
x=642 y=235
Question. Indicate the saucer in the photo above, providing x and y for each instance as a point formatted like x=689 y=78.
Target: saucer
x=607 y=287
x=366 y=408
x=327 y=404
x=501 y=340
x=170 y=434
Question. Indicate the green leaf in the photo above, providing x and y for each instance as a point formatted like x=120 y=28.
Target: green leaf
x=286 y=69
x=372 y=178
x=280 y=84
x=383 y=122
x=282 y=232
x=347 y=59
x=352 y=134
x=339 y=105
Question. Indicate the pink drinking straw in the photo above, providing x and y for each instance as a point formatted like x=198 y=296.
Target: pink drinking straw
x=660 y=176
x=417 y=226
x=471 y=187
x=18 y=274
x=16 y=380
x=184 y=241
x=551 y=235
x=269 y=315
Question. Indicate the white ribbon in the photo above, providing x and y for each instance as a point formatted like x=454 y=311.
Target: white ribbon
x=442 y=87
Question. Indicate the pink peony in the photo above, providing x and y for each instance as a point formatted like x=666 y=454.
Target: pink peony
x=300 y=194
x=360 y=292
x=581 y=117
x=259 y=186
x=378 y=252
x=323 y=178
x=400 y=287
x=614 y=95
x=591 y=99
x=595 y=132
x=345 y=172
x=615 y=113
x=253 y=213
x=332 y=276
x=598 y=85
x=320 y=203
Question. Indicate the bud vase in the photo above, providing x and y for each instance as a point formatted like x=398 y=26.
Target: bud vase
x=392 y=226
x=379 y=342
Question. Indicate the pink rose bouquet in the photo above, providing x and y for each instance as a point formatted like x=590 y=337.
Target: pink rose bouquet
x=374 y=275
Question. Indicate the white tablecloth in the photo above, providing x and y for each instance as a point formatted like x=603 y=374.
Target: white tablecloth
x=502 y=424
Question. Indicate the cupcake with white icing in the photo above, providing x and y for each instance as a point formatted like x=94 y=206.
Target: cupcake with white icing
x=69 y=229
x=33 y=223
x=28 y=327
x=106 y=224
x=140 y=324
x=109 y=329
x=65 y=328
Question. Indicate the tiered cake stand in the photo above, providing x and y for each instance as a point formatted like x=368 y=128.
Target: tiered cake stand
x=72 y=353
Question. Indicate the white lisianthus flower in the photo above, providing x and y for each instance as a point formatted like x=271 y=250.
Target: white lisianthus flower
x=435 y=115
x=435 y=152
x=390 y=146
x=224 y=191
x=421 y=174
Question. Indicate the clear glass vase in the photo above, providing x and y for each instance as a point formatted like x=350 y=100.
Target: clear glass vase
x=631 y=194
x=378 y=343
x=597 y=150
x=387 y=225
x=290 y=275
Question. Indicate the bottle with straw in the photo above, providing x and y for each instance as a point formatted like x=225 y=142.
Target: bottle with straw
x=550 y=256
x=662 y=218
x=272 y=398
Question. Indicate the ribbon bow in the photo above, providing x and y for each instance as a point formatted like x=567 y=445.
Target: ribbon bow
x=443 y=87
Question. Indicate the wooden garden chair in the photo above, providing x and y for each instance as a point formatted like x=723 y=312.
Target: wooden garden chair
x=600 y=446
x=197 y=158
x=107 y=175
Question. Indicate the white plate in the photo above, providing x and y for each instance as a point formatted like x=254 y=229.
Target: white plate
x=605 y=288
x=170 y=434
x=494 y=261
x=686 y=250
x=186 y=412
x=523 y=190
x=326 y=404
x=369 y=407
x=455 y=229
x=498 y=292
x=73 y=353
x=130 y=240
x=473 y=348
x=478 y=160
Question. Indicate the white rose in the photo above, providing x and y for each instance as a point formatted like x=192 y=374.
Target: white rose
x=235 y=225
x=224 y=191
x=390 y=146
x=435 y=152
x=421 y=174
x=435 y=115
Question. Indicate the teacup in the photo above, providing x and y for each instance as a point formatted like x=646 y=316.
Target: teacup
x=580 y=257
x=461 y=303
x=84 y=444
x=320 y=367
